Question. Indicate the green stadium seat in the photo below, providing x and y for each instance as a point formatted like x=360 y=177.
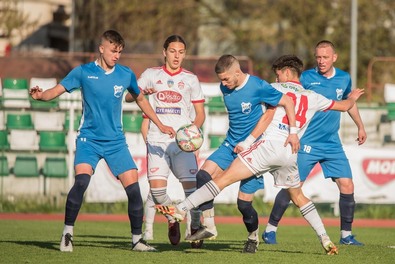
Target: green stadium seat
x=11 y=83
x=26 y=166
x=132 y=122
x=52 y=141
x=4 y=169
x=216 y=105
x=4 y=144
x=216 y=140
x=55 y=167
x=19 y=121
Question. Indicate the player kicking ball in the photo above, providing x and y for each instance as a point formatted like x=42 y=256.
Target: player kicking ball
x=270 y=154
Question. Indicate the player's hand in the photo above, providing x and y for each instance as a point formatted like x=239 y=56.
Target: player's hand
x=293 y=140
x=148 y=91
x=361 y=136
x=168 y=130
x=36 y=92
x=244 y=144
x=355 y=94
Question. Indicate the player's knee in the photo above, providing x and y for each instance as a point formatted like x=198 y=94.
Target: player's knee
x=81 y=182
x=245 y=207
x=202 y=177
x=283 y=198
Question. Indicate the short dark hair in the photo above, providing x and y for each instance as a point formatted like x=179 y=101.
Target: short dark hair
x=174 y=38
x=224 y=63
x=114 y=38
x=291 y=62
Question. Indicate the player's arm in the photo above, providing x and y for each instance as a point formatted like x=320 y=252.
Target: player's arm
x=200 y=114
x=289 y=107
x=145 y=106
x=260 y=127
x=38 y=94
x=352 y=108
x=144 y=128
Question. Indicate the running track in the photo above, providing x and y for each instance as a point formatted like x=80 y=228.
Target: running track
x=296 y=221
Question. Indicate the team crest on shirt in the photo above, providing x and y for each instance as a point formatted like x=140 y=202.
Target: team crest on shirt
x=118 y=91
x=181 y=85
x=339 y=93
x=170 y=83
x=246 y=107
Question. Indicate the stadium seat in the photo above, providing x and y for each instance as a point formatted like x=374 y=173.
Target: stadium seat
x=19 y=121
x=4 y=144
x=55 y=167
x=26 y=166
x=129 y=106
x=43 y=83
x=16 y=93
x=70 y=100
x=216 y=105
x=216 y=141
x=132 y=122
x=49 y=121
x=77 y=119
x=2 y=120
x=52 y=141
x=4 y=169
x=23 y=140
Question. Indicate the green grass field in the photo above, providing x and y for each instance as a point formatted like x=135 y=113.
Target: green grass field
x=109 y=242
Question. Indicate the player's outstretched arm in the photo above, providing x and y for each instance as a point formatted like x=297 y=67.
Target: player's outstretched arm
x=145 y=106
x=38 y=94
x=347 y=104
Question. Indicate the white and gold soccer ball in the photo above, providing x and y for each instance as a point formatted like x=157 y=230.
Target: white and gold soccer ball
x=189 y=138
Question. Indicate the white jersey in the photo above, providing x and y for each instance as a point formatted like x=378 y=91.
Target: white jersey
x=307 y=103
x=269 y=154
x=172 y=103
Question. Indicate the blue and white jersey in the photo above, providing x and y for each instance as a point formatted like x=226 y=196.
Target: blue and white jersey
x=323 y=128
x=102 y=95
x=245 y=106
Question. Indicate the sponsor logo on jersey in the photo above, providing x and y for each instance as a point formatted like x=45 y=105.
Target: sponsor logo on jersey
x=246 y=107
x=93 y=77
x=315 y=83
x=282 y=126
x=170 y=83
x=379 y=171
x=339 y=93
x=118 y=91
x=169 y=96
x=181 y=85
x=168 y=111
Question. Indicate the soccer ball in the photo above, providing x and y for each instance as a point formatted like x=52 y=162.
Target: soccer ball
x=189 y=138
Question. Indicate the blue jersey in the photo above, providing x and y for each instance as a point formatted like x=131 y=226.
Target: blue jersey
x=323 y=129
x=245 y=106
x=102 y=95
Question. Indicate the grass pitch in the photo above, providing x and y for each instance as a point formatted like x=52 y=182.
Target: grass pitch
x=109 y=242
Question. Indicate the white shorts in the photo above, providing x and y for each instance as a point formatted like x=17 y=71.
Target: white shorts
x=271 y=156
x=166 y=157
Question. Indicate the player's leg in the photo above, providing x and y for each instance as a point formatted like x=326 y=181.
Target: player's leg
x=120 y=162
x=337 y=164
x=310 y=213
x=86 y=158
x=306 y=163
x=248 y=187
x=149 y=216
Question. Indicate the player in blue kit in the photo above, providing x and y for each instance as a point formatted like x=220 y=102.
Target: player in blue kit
x=100 y=135
x=321 y=143
x=245 y=97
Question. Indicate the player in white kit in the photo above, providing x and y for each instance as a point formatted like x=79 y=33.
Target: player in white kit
x=269 y=154
x=173 y=93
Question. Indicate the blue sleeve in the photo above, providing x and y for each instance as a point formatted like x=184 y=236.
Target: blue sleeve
x=270 y=95
x=133 y=87
x=72 y=81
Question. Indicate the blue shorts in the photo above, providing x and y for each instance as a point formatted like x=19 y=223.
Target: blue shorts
x=115 y=153
x=223 y=157
x=334 y=164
